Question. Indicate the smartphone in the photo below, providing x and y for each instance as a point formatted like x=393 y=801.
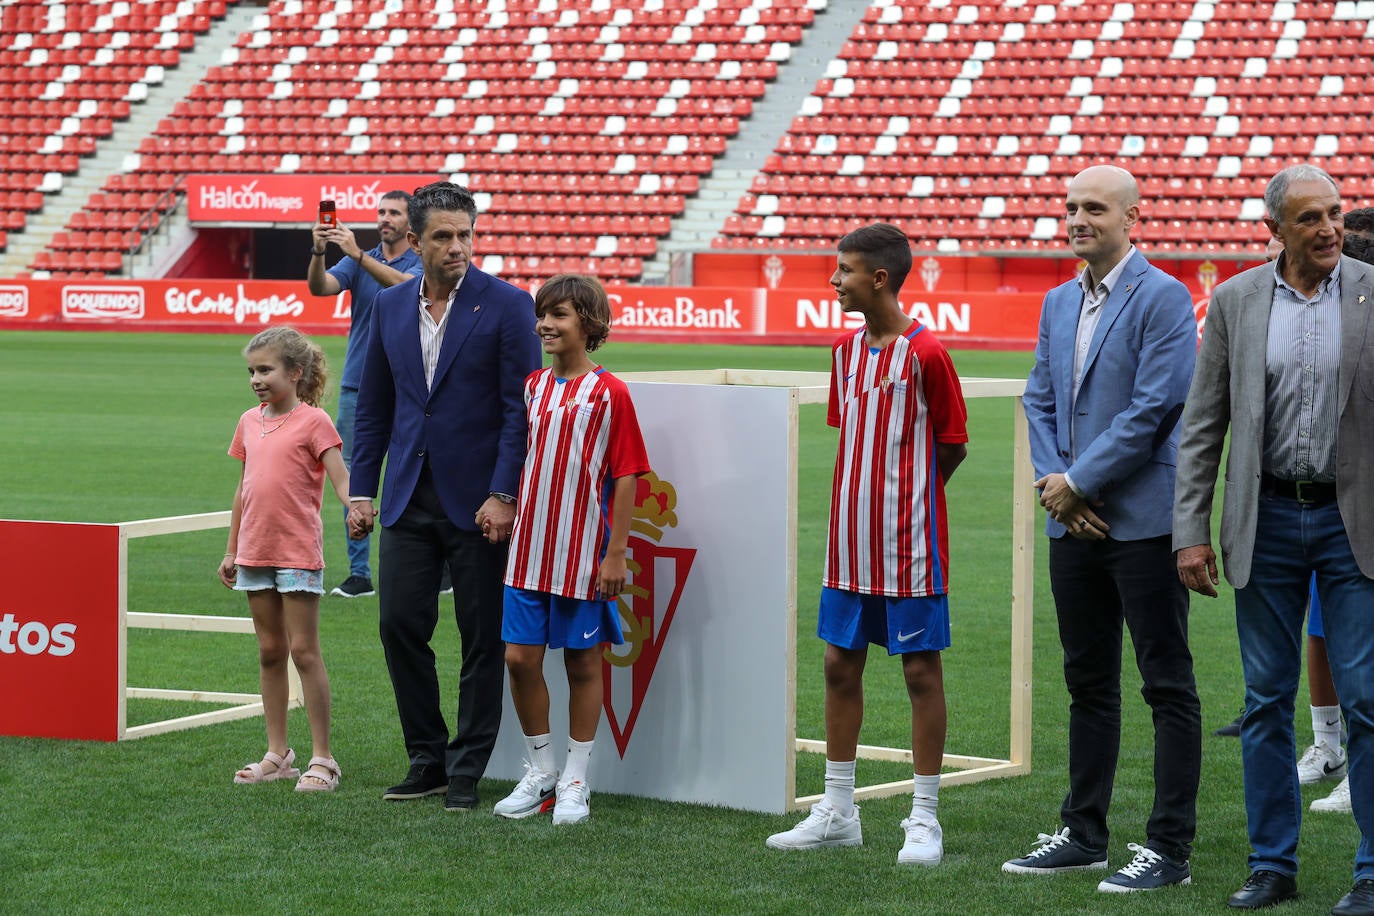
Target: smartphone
x=327 y=215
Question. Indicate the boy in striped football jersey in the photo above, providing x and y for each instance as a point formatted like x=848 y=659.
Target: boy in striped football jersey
x=567 y=555
x=897 y=402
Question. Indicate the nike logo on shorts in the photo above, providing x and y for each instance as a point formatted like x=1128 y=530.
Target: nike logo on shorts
x=590 y=633
x=907 y=637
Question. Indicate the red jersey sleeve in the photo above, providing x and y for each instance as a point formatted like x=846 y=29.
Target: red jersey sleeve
x=944 y=394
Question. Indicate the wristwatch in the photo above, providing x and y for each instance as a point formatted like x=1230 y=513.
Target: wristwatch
x=502 y=497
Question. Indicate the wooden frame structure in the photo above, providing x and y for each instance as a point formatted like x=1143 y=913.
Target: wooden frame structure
x=246 y=704
x=813 y=388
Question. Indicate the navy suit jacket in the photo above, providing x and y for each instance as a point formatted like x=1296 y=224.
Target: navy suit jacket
x=471 y=425
x=1124 y=444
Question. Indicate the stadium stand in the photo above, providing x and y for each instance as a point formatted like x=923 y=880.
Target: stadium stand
x=68 y=72
x=585 y=128
x=961 y=122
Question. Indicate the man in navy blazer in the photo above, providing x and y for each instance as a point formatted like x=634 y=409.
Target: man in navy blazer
x=442 y=400
x=1112 y=366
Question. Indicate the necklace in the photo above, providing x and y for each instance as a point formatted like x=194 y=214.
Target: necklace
x=262 y=422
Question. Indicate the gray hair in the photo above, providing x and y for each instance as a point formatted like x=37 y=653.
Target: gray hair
x=1276 y=192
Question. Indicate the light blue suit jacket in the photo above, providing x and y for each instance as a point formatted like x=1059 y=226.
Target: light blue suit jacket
x=1124 y=425
x=471 y=424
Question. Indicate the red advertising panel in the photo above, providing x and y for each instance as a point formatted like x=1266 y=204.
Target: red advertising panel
x=1002 y=319
x=59 y=632
x=945 y=274
x=270 y=199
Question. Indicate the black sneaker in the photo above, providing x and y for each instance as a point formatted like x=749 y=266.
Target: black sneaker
x=1148 y=871
x=445 y=583
x=1056 y=852
x=462 y=794
x=354 y=587
x=423 y=779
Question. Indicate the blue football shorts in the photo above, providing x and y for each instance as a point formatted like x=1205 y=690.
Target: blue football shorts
x=533 y=618
x=852 y=620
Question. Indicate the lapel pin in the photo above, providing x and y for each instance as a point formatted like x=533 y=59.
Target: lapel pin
x=1361 y=300
x=1128 y=287
x=476 y=307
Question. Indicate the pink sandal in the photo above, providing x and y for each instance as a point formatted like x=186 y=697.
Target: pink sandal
x=254 y=773
x=327 y=781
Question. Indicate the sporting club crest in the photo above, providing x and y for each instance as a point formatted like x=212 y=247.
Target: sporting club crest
x=657 y=576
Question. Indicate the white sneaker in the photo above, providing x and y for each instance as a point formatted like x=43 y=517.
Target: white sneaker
x=574 y=803
x=1338 y=802
x=1320 y=762
x=822 y=827
x=533 y=794
x=925 y=841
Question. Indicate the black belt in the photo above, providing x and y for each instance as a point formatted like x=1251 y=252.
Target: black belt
x=1304 y=491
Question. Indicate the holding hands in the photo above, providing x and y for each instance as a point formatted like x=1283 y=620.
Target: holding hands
x=496 y=519
x=362 y=516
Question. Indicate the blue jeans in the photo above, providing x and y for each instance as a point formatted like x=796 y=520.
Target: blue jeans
x=358 y=551
x=1293 y=541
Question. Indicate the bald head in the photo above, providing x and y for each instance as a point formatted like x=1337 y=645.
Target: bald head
x=1102 y=205
x=1110 y=179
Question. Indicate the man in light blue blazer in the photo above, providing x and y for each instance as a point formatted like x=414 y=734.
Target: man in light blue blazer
x=442 y=400
x=1287 y=363
x=1112 y=365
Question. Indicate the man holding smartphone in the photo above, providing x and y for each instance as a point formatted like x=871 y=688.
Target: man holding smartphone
x=363 y=274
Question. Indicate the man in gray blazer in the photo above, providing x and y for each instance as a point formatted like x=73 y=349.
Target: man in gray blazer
x=1112 y=365
x=1287 y=362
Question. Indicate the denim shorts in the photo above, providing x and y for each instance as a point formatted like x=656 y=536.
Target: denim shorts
x=260 y=578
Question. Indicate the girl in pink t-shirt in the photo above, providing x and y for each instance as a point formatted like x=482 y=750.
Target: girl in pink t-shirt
x=275 y=552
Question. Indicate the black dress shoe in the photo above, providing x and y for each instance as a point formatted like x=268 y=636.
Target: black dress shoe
x=1230 y=729
x=423 y=779
x=462 y=794
x=1359 y=902
x=1263 y=888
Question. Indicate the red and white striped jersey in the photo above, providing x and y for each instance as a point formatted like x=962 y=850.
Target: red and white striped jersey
x=888 y=533
x=583 y=434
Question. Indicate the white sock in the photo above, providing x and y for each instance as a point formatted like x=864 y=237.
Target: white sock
x=540 y=748
x=579 y=755
x=839 y=786
x=1326 y=725
x=925 y=796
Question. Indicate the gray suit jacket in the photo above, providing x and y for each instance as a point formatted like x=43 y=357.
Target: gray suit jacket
x=1228 y=389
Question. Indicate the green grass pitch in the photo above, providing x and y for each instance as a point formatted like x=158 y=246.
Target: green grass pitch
x=109 y=427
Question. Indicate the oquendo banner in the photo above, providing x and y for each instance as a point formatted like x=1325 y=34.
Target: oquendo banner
x=994 y=320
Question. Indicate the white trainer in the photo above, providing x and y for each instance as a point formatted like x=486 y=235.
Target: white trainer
x=574 y=803
x=823 y=827
x=1338 y=802
x=1321 y=762
x=533 y=794
x=925 y=841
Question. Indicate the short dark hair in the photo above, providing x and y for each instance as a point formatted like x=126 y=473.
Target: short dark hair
x=1359 y=247
x=441 y=195
x=400 y=195
x=883 y=247
x=588 y=298
x=1360 y=219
